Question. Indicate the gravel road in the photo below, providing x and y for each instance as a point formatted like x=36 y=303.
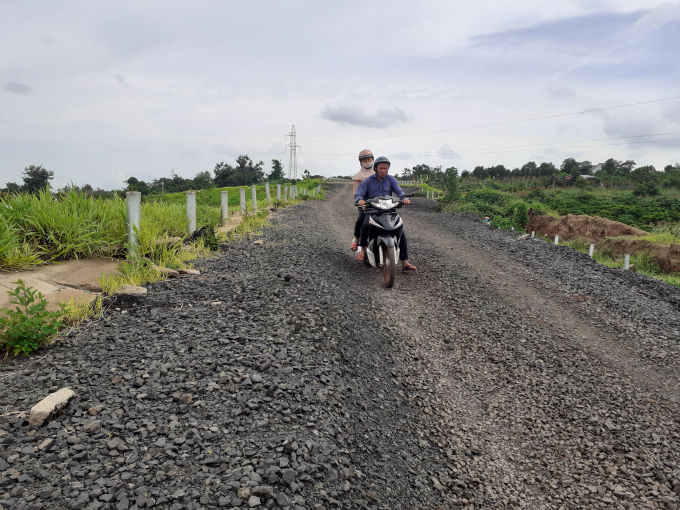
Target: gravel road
x=503 y=373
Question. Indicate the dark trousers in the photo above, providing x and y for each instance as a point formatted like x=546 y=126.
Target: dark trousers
x=363 y=239
x=359 y=223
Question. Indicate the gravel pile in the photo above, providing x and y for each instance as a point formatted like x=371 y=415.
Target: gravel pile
x=504 y=373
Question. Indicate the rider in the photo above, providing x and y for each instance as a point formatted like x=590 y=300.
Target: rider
x=366 y=161
x=377 y=185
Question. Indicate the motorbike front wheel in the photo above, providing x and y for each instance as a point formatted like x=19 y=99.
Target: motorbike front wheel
x=389 y=254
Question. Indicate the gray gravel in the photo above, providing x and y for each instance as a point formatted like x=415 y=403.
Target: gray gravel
x=503 y=373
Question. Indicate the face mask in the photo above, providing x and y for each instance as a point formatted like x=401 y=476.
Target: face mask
x=367 y=166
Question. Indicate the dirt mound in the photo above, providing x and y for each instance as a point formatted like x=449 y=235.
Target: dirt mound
x=666 y=256
x=591 y=228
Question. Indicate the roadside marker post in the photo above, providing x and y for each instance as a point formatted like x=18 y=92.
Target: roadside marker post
x=224 y=206
x=253 y=195
x=242 y=197
x=533 y=234
x=556 y=240
x=591 y=251
x=278 y=192
x=626 y=262
x=191 y=212
x=266 y=190
x=133 y=209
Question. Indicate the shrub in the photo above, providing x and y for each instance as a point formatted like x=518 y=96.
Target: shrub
x=30 y=324
x=646 y=189
x=518 y=211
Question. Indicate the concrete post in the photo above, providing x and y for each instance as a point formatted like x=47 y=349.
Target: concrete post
x=591 y=251
x=224 y=206
x=133 y=209
x=313 y=192
x=285 y=192
x=242 y=197
x=293 y=192
x=533 y=234
x=253 y=195
x=278 y=192
x=626 y=262
x=428 y=193
x=556 y=239
x=266 y=190
x=191 y=212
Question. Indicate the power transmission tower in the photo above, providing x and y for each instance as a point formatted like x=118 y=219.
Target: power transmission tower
x=292 y=162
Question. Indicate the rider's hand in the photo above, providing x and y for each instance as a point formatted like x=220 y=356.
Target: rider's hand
x=407 y=201
x=361 y=202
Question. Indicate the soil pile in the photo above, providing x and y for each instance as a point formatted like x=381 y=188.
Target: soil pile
x=667 y=256
x=591 y=228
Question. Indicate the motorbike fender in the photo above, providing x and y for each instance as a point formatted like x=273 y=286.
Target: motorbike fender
x=387 y=241
x=370 y=253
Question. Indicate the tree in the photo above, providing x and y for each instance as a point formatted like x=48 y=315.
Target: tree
x=203 y=180
x=465 y=173
x=13 y=187
x=306 y=174
x=87 y=189
x=668 y=168
x=529 y=168
x=134 y=184
x=36 y=178
x=244 y=174
x=277 y=171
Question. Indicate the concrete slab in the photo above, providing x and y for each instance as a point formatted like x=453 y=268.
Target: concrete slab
x=233 y=222
x=59 y=282
x=65 y=295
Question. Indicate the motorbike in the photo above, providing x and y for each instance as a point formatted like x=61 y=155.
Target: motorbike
x=385 y=228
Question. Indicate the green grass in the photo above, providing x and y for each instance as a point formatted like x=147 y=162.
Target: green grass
x=644 y=262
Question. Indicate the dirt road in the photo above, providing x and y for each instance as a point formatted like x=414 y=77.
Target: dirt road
x=503 y=373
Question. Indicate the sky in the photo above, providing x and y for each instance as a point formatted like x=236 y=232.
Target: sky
x=98 y=92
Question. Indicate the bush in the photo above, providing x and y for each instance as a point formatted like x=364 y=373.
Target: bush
x=646 y=189
x=518 y=211
x=30 y=325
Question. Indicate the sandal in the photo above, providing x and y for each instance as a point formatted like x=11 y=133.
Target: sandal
x=354 y=245
x=407 y=266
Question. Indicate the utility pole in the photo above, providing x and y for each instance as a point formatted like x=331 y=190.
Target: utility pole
x=292 y=162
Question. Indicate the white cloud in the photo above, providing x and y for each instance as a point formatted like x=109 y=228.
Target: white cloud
x=18 y=88
x=355 y=115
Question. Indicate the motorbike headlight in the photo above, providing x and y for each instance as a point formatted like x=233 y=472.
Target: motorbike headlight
x=384 y=204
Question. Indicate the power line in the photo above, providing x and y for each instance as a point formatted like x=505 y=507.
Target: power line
x=462 y=151
x=588 y=51
x=520 y=149
x=500 y=123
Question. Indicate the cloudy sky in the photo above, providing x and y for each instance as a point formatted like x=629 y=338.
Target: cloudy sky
x=100 y=91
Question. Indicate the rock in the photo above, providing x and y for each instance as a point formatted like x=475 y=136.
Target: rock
x=282 y=500
x=254 y=501
x=170 y=273
x=50 y=405
x=525 y=236
x=189 y=271
x=259 y=241
x=186 y=398
x=256 y=378
x=132 y=290
x=244 y=492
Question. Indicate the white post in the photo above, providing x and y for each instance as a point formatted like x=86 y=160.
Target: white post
x=556 y=239
x=313 y=192
x=242 y=197
x=437 y=195
x=133 y=208
x=591 y=251
x=253 y=194
x=626 y=262
x=224 y=206
x=533 y=233
x=428 y=193
x=266 y=190
x=285 y=192
x=191 y=212
x=278 y=192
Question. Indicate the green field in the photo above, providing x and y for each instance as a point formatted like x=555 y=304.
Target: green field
x=47 y=227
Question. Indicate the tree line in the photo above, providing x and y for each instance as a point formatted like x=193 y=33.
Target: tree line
x=569 y=170
x=244 y=173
